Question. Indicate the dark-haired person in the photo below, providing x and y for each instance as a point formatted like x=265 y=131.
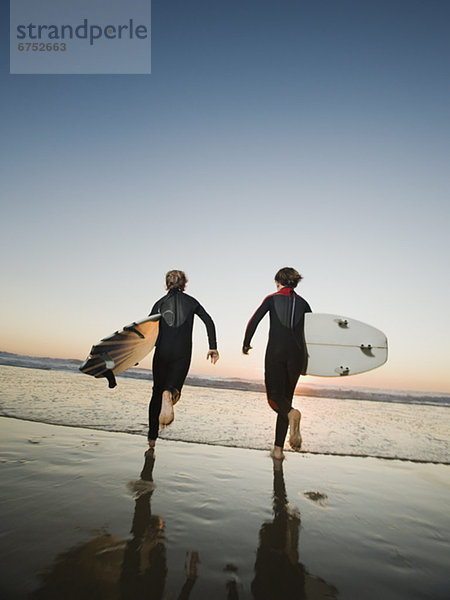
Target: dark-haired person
x=173 y=349
x=285 y=356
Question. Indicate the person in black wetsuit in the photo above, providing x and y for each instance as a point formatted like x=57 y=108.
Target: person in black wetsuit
x=173 y=349
x=286 y=355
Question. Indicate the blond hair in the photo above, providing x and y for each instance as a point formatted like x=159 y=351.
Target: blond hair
x=176 y=279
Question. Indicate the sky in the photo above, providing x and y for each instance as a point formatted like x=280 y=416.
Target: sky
x=312 y=134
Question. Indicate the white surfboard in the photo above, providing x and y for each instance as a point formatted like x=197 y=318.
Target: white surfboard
x=123 y=349
x=338 y=345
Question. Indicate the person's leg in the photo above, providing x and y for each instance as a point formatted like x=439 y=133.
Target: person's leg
x=175 y=376
x=275 y=378
x=294 y=368
x=281 y=428
x=154 y=409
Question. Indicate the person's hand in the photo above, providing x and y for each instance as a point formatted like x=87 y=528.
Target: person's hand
x=245 y=349
x=213 y=355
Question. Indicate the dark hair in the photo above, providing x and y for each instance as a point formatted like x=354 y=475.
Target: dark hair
x=176 y=279
x=288 y=277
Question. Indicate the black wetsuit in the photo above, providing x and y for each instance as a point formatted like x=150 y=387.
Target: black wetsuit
x=286 y=356
x=173 y=351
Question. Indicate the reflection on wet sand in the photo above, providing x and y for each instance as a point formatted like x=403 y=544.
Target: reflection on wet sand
x=144 y=568
x=108 y=569
x=278 y=572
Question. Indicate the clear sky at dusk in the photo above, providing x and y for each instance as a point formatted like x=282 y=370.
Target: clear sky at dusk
x=312 y=134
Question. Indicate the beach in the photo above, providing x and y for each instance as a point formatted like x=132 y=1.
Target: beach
x=244 y=163
x=209 y=521
x=229 y=417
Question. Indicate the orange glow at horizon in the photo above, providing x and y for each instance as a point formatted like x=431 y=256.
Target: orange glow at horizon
x=393 y=375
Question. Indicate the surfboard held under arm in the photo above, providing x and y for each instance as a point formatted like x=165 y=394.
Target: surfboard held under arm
x=123 y=349
x=339 y=346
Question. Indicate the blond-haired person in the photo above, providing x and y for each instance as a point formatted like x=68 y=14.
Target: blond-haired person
x=173 y=349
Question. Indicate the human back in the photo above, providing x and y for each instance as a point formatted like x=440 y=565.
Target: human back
x=287 y=316
x=177 y=310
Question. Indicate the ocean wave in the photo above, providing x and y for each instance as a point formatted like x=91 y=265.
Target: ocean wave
x=244 y=385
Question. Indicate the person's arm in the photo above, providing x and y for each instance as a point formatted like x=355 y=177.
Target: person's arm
x=253 y=324
x=213 y=354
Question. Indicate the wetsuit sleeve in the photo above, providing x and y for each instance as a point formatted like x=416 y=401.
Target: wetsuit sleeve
x=210 y=327
x=254 y=321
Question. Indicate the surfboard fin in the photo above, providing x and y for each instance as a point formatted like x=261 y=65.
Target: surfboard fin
x=343 y=370
x=367 y=350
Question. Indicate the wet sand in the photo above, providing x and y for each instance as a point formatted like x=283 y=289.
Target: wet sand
x=79 y=521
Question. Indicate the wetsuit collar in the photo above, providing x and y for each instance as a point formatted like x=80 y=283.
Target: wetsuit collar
x=286 y=291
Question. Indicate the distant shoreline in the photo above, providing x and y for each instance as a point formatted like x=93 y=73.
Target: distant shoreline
x=245 y=385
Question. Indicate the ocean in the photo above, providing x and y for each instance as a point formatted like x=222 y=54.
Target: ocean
x=399 y=427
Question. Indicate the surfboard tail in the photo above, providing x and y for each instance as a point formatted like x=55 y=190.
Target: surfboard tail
x=122 y=350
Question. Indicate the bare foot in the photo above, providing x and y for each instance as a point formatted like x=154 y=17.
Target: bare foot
x=167 y=415
x=277 y=453
x=295 y=438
